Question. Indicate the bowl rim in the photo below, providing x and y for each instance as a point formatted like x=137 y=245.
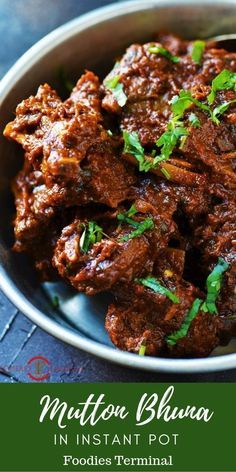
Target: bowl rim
x=23 y=64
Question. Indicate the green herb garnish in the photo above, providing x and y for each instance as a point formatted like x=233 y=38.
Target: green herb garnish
x=180 y=103
x=140 y=226
x=169 y=139
x=194 y=120
x=116 y=88
x=55 y=301
x=165 y=173
x=213 y=283
x=133 y=146
x=142 y=350
x=163 y=52
x=220 y=110
x=123 y=216
x=92 y=234
x=197 y=51
x=154 y=284
x=183 y=330
x=226 y=80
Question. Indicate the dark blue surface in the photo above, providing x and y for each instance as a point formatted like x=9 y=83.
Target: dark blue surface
x=22 y=23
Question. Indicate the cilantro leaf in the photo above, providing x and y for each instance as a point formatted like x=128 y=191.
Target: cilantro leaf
x=164 y=52
x=142 y=350
x=194 y=120
x=92 y=234
x=213 y=283
x=140 y=226
x=55 y=301
x=132 y=211
x=168 y=140
x=183 y=330
x=220 y=110
x=154 y=284
x=225 y=80
x=133 y=146
x=116 y=88
x=180 y=103
x=165 y=173
x=197 y=51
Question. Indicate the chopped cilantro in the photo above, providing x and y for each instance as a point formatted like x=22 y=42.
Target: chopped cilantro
x=213 y=283
x=169 y=140
x=164 y=52
x=142 y=350
x=194 y=120
x=226 y=80
x=183 y=330
x=132 y=211
x=197 y=51
x=116 y=88
x=55 y=301
x=180 y=103
x=92 y=234
x=133 y=146
x=154 y=284
x=140 y=226
x=220 y=110
x=165 y=173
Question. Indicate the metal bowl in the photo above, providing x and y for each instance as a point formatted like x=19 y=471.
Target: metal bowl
x=92 y=42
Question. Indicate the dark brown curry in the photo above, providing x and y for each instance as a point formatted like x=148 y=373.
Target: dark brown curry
x=129 y=187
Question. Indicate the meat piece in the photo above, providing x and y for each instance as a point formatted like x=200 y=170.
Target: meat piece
x=209 y=144
x=170 y=263
x=40 y=249
x=218 y=234
x=34 y=116
x=168 y=269
x=111 y=260
x=129 y=328
x=57 y=137
x=107 y=179
x=104 y=264
x=44 y=125
x=87 y=92
x=28 y=222
x=141 y=323
x=159 y=202
x=203 y=336
x=148 y=117
x=226 y=303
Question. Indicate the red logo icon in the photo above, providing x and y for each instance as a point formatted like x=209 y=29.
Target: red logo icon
x=39 y=368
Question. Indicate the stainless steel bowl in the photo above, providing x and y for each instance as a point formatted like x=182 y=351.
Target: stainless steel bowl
x=92 y=41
